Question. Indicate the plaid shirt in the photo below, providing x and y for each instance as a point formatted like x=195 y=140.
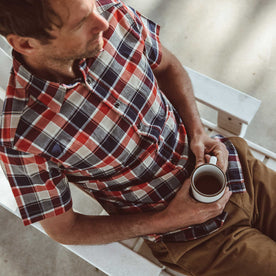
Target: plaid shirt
x=112 y=132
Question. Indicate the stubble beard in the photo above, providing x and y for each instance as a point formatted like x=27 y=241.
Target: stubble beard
x=88 y=53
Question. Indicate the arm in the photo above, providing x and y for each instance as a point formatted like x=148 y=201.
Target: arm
x=174 y=81
x=75 y=228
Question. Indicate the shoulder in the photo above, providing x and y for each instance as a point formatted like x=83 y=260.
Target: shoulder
x=15 y=101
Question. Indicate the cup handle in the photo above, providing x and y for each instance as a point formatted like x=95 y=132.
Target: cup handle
x=213 y=160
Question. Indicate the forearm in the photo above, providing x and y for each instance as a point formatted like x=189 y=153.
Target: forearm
x=175 y=83
x=183 y=211
x=83 y=229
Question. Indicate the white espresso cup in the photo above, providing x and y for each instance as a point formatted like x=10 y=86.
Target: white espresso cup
x=208 y=182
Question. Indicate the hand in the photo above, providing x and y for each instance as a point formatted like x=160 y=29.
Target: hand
x=184 y=211
x=204 y=146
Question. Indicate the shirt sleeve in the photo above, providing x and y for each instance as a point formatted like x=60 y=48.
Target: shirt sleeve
x=149 y=32
x=38 y=185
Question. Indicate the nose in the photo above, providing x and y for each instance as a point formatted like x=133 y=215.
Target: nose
x=101 y=24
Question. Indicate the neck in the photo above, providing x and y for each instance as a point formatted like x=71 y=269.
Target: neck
x=58 y=72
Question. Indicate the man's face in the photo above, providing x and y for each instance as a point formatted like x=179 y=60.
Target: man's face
x=81 y=33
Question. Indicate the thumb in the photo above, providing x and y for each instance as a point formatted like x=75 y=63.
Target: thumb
x=184 y=190
x=207 y=158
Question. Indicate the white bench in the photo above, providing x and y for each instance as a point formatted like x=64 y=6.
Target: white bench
x=235 y=111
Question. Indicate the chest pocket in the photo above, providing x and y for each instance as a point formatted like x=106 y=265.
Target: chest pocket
x=148 y=119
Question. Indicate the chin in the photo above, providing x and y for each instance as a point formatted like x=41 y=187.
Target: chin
x=93 y=53
x=97 y=47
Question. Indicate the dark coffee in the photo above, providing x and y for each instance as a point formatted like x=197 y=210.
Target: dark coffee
x=207 y=184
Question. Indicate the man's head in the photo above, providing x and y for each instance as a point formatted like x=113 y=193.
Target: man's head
x=28 y=18
x=57 y=30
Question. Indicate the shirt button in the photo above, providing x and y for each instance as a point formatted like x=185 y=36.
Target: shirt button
x=117 y=104
x=89 y=81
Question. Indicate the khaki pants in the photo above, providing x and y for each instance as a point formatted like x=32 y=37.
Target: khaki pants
x=246 y=244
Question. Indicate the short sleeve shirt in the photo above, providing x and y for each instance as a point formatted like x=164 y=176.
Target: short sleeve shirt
x=112 y=132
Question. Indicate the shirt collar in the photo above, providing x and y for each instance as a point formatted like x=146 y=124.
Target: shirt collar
x=49 y=93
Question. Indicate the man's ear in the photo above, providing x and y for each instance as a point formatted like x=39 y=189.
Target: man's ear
x=23 y=45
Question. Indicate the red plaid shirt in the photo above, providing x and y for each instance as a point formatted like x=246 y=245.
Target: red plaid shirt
x=112 y=132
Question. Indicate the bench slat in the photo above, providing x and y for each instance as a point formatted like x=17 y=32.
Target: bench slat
x=235 y=108
x=271 y=163
x=222 y=97
x=113 y=259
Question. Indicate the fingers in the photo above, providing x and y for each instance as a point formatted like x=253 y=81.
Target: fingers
x=186 y=211
x=206 y=211
x=222 y=155
x=204 y=146
x=216 y=208
x=220 y=151
x=225 y=198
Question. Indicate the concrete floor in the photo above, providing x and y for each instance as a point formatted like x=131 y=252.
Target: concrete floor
x=229 y=40
x=25 y=251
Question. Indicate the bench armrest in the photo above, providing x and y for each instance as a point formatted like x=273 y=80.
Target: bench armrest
x=235 y=108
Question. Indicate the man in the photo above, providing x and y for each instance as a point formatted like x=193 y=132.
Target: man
x=93 y=100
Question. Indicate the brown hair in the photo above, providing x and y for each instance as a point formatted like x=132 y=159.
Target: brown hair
x=28 y=18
